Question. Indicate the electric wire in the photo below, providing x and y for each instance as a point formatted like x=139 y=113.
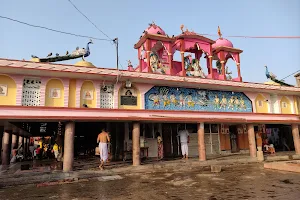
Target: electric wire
x=253 y=37
x=53 y=30
x=290 y=75
x=110 y=40
x=89 y=20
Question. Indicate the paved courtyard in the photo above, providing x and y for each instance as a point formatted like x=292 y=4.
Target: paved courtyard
x=247 y=181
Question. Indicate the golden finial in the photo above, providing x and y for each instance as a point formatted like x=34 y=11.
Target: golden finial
x=219 y=32
x=181 y=28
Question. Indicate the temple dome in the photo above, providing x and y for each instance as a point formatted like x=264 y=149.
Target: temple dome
x=35 y=60
x=270 y=82
x=154 y=29
x=84 y=63
x=222 y=42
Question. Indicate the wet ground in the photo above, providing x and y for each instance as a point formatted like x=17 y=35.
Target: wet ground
x=249 y=181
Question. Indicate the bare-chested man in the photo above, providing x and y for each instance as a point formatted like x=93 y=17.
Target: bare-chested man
x=103 y=139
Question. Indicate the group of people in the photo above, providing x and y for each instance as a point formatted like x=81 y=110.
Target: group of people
x=43 y=150
x=103 y=139
x=263 y=144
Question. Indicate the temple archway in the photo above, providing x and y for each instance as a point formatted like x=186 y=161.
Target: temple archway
x=88 y=97
x=8 y=90
x=285 y=105
x=230 y=69
x=54 y=95
x=261 y=104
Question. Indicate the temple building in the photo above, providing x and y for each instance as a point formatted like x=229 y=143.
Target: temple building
x=221 y=112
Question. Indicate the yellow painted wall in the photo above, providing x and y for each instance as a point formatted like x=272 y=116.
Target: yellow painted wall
x=297 y=105
x=10 y=98
x=138 y=106
x=72 y=93
x=265 y=107
x=55 y=102
x=88 y=86
x=288 y=109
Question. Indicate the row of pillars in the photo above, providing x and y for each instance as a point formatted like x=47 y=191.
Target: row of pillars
x=10 y=141
x=70 y=131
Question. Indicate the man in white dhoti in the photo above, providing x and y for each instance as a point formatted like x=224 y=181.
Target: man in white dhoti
x=184 y=140
x=103 y=139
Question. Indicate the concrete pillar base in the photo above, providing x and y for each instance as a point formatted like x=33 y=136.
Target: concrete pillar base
x=260 y=156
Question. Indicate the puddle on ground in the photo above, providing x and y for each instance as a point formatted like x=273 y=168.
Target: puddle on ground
x=286 y=181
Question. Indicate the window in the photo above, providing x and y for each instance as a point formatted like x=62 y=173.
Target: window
x=260 y=103
x=212 y=141
x=206 y=128
x=214 y=128
x=31 y=92
x=107 y=96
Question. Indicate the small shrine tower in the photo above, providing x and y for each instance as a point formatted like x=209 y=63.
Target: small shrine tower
x=223 y=50
x=155 y=50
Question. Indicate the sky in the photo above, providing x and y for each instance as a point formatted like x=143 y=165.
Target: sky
x=128 y=19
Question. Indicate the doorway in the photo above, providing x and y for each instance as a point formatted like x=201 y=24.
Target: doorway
x=167 y=139
x=233 y=138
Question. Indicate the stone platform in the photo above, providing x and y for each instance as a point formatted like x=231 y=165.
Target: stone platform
x=290 y=166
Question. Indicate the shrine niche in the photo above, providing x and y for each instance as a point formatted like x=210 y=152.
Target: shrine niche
x=159 y=58
x=192 y=67
x=170 y=98
x=88 y=96
x=3 y=90
x=54 y=93
x=129 y=98
x=8 y=90
x=156 y=64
